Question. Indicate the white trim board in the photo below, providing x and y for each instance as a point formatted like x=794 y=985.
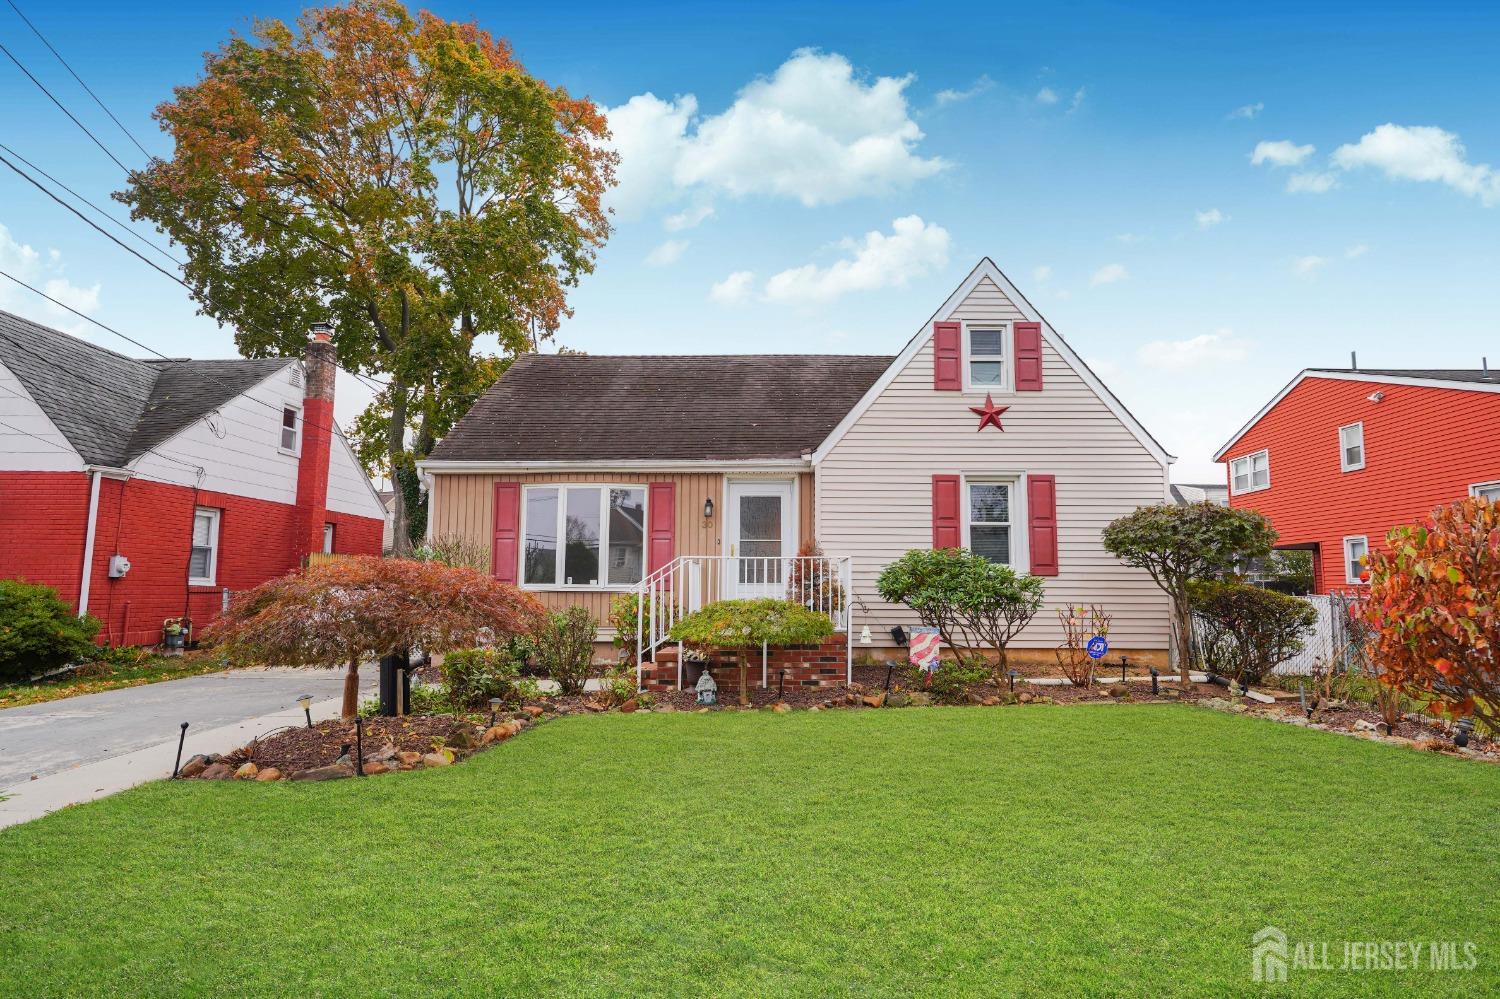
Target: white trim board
x=986 y=269
x=1349 y=376
x=663 y=465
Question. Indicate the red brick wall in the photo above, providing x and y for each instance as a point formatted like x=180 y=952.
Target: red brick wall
x=806 y=666
x=42 y=525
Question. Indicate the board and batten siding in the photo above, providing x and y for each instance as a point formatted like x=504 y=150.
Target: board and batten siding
x=464 y=505
x=875 y=484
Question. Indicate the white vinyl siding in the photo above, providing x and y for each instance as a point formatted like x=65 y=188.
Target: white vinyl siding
x=1352 y=447
x=203 y=558
x=30 y=441
x=1250 y=474
x=874 y=487
x=583 y=536
x=1355 y=549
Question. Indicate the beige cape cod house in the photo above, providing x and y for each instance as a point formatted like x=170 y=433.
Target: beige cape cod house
x=690 y=479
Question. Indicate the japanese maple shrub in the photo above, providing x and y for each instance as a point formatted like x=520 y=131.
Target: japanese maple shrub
x=1180 y=544
x=1434 y=610
x=356 y=608
x=1249 y=631
x=742 y=625
x=39 y=632
x=975 y=604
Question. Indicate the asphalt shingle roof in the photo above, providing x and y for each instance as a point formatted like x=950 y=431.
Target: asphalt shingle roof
x=114 y=408
x=562 y=407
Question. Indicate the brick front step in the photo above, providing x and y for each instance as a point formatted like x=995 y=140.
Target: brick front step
x=822 y=665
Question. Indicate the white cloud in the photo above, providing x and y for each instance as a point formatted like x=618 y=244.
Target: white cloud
x=814 y=131
x=1109 y=274
x=1309 y=266
x=1129 y=238
x=1357 y=250
x=688 y=218
x=1077 y=101
x=1311 y=182
x=1280 y=153
x=1219 y=347
x=667 y=253
x=979 y=86
x=1247 y=110
x=733 y=290
x=1421 y=153
x=912 y=249
x=1042 y=274
x=45 y=271
x=1210 y=218
x=1047 y=96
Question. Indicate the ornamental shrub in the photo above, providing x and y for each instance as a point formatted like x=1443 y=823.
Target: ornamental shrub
x=39 y=632
x=742 y=625
x=473 y=676
x=1248 y=631
x=564 y=647
x=974 y=603
x=624 y=617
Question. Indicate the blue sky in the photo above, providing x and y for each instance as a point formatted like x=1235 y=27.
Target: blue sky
x=1201 y=203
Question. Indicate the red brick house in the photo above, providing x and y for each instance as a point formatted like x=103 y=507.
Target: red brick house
x=143 y=490
x=1340 y=456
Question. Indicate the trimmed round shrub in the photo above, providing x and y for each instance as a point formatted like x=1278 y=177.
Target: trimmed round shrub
x=39 y=632
x=1248 y=631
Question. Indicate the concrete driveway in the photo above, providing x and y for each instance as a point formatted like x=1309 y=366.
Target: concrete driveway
x=43 y=739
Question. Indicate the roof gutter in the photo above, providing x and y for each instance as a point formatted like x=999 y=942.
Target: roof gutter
x=439 y=467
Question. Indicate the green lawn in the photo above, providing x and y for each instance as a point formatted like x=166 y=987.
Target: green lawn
x=1110 y=850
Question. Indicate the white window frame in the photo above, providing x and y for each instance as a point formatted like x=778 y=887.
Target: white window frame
x=1020 y=523
x=1363 y=539
x=1252 y=488
x=1476 y=487
x=1344 y=465
x=1007 y=358
x=562 y=511
x=213 y=545
x=328 y=532
x=295 y=428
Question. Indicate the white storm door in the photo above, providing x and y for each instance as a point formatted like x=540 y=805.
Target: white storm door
x=759 y=535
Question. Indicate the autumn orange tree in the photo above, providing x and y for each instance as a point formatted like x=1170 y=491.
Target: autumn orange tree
x=1434 y=610
x=403 y=176
x=356 y=608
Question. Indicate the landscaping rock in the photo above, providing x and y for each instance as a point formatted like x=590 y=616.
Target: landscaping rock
x=218 y=771
x=436 y=760
x=461 y=737
x=247 y=771
x=1025 y=697
x=386 y=753
x=334 y=771
x=920 y=699
x=664 y=708
x=991 y=701
x=407 y=758
x=1364 y=725
x=594 y=706
x=704 y=711
x=213 y=758
x=375 y=768
x=898 y=699
x=1118 y=690
x=194 y=766
x=268 y=774
x=533 y=710
x=874 y=700
x=629 y=706
x=1216 y=703
x=781 y=707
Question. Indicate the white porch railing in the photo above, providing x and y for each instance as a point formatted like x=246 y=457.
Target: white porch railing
x=822 y=583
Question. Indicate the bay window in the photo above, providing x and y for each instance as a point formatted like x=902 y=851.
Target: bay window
x=584 y=535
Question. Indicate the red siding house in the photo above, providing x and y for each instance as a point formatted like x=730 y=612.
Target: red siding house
x=1340 y=456
x=143 y=490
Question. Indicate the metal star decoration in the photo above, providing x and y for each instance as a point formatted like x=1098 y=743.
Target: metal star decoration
x=989 y=413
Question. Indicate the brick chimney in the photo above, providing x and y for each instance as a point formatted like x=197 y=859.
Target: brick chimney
x=321 y=362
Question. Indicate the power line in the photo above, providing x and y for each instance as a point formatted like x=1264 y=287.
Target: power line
x=85 y=86
x=199 y=469
x=64 y=110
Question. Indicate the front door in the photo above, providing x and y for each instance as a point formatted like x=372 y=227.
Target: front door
x=759 y=538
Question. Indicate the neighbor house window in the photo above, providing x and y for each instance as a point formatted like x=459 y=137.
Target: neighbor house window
x=203 y=560
x=1251 y=472
x=1352 y=447
x=327 y=539
x=584 y=535
x=1486 y=491
x=985 y=360
x=289 y=429
x=991 y=520
x=1355 y=549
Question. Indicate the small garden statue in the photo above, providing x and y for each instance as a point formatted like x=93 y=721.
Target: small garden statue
x=708 y=690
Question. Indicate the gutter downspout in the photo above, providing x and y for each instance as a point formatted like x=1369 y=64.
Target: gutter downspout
x=88 y=545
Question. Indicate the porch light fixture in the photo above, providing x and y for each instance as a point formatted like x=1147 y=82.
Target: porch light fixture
x=708 y=509
x=864 y=635
x=305 y=703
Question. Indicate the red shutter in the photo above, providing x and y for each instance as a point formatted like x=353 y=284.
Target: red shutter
x=505 y=550
x=947 y=531
x=947 y=366
x=1041 y=509
x=661 y=516
x=1028 y=357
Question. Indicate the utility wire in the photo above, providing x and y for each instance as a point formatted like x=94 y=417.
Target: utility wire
x=150 y=450
x=85 y=86
x=63 y=109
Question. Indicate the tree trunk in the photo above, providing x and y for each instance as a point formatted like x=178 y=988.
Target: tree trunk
x=396 y=453
x=1184 y=613
x=351 y=690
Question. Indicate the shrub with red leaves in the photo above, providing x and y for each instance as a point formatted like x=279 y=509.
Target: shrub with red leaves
x=342 y=612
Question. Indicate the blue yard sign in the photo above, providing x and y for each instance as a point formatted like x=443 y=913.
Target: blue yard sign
x=1098 y=647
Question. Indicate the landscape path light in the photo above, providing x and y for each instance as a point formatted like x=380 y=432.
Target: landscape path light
x=305 y=703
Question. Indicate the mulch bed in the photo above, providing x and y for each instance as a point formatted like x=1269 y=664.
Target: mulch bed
x=295 y=749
